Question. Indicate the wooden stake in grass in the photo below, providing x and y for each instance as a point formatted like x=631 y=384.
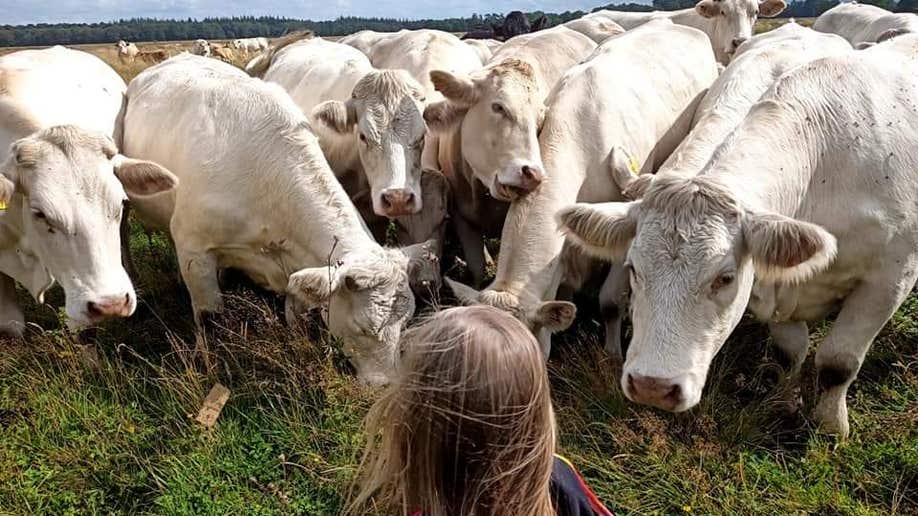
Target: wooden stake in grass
x=213 y=404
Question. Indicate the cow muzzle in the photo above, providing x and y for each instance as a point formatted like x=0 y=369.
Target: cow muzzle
x=663 y=393
x=398 y=201
x=105 y=307
x=509 y=187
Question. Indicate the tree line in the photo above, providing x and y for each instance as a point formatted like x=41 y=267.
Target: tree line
x=146 y=29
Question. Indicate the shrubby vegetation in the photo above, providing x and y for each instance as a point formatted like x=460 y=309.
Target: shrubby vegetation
x=143 y=29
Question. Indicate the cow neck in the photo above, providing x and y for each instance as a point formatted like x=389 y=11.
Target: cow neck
x=317 y=200
x=770 y=159
x=529 y=262
x=689 y=17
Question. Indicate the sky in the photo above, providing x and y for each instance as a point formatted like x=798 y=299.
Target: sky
x=14 y=12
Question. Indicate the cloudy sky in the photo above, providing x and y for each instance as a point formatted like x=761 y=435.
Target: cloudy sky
x=38 y=11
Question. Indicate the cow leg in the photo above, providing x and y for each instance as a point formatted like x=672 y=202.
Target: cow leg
x=864 y=313
x=12 y=320
x=472 y=249
x=199 y=270
x=793 y=339
x=613 y=302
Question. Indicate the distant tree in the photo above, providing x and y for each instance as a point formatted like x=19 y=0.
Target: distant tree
x=908 y=6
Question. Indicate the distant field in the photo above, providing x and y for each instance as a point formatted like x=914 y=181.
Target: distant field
x=107 y=428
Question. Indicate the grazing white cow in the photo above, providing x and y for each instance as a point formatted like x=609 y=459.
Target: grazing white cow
x=127 y=52
x=757 y=65
x=317 y=71
x=596 y=28
x=863 y=24
x=258 y=196
x=250 y=44
x=201 y=47
x=631 y=102
x=490 y=120
x=728 y=23
x=63 y=185
x=809 y=206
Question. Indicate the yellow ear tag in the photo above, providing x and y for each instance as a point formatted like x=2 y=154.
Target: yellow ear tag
x=633 y=165
x=2 y=206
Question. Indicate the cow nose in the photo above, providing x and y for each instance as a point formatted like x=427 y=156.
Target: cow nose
x=398 y=201
x=531 y=177
x=738 y=41
x=109 y=306
x=656 y=392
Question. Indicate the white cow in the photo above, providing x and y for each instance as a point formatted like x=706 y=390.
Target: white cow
x=809 y=206
x=481 y=48
x=728 y=23
x=490 y=120
x=501 y=107
x=250 y=44
x=317 y=71
x=631 y=102
x=364 y=40
x=127 y=52
x=63 y=185
x=757 y=65
x=258 y=196
x=863 y=24
x=596 y=28
x=201 y=47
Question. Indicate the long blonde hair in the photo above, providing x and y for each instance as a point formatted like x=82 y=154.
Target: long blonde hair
x=466 y=428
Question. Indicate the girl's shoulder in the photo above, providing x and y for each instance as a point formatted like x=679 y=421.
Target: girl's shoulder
x=571 y=494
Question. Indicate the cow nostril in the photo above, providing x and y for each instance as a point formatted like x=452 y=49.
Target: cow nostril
x=409 y=199
x=738 y=41
x=386 y=202
x=528 y=173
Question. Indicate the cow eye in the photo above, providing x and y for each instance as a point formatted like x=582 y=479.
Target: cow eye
x=499 y=109
x=722 y=281
x=40 y=215
x=351 y=283
x=363 y=137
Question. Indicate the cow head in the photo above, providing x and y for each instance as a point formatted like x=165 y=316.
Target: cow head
x=500 y=110
x=692 y=251
x=429 y=227
x=541 y=317
x=365 y=301
x=734 y=21
x=385 y=115
x=68 y=186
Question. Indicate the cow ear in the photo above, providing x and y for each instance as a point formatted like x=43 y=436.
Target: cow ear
x=786 y=250
x=143 y=178
x=624 y=167
x=460 y=90
x=707 y=8
x=338 y=116
x=554 y=316
x=426 y=251
x=313 y=286
x=443 y=116
x=769 y=8
x=464 y=293
x=602 y=230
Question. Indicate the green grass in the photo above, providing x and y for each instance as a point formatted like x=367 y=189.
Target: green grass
x=111 y=429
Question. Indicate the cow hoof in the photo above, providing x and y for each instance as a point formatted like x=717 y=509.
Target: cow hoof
x=12 y=330
x=832 y=417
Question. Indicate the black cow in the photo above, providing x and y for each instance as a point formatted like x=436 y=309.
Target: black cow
x=514 y=24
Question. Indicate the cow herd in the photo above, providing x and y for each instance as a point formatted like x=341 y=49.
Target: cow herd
x=685 y=167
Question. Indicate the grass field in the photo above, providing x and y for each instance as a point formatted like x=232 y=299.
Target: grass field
x=108 y=427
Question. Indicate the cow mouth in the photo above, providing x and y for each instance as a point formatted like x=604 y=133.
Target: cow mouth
x=509 y=193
